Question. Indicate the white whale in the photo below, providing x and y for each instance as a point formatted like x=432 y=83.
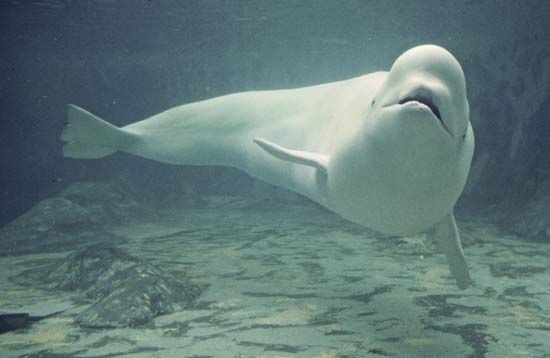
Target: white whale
x=388 y=150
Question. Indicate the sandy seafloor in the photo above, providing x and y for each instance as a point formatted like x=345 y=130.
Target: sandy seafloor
x=301 y=282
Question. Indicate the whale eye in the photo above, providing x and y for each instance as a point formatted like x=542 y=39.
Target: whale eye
x=373 y=102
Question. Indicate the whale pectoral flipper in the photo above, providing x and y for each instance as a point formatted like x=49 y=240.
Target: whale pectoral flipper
x=315 y=160
x=87 y=136
x=447 y=238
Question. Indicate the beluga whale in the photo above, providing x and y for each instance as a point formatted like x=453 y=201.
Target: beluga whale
x=390 y=150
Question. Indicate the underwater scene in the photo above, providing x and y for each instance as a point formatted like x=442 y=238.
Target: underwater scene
x=331 y=179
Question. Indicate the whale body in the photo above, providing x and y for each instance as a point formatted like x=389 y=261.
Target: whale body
x=387 y=150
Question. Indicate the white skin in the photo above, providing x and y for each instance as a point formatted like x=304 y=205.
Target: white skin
x=409 y=165
x=395 y=168
x=388 y=150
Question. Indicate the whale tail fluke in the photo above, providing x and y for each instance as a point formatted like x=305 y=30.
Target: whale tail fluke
x=87 y=136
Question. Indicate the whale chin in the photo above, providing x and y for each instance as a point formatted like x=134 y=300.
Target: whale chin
x=413 y=104
x=426 y=98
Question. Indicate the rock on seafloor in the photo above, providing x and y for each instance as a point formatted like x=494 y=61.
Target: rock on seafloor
x=73 y=218
x=80 y=213
x=126 y=291
x=54 y=224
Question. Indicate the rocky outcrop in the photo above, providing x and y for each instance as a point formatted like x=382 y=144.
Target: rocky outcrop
x=107 y=201
x=75 y=217
x=125 y=291
x=509 y=95
x=54 y=224
x=80 y=213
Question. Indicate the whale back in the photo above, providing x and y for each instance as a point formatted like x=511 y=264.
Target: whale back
x=220 y=131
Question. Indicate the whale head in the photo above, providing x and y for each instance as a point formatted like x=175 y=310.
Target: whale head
x=412 y=156
x=422 y=106
x=426 y=82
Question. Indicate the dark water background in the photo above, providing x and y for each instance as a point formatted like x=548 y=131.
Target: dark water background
x=126 y=60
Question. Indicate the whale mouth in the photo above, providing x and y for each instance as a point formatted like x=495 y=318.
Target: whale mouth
x=425 y=100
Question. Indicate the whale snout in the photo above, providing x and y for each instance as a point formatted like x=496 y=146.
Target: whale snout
x=426 y=96
x=429 y=80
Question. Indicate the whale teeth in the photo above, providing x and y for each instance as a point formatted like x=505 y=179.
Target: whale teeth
x=426 y=101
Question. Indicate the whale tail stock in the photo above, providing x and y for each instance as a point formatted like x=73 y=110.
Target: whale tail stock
x=87 y=136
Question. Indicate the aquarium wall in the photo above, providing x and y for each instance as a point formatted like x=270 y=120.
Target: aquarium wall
x=127 y=60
